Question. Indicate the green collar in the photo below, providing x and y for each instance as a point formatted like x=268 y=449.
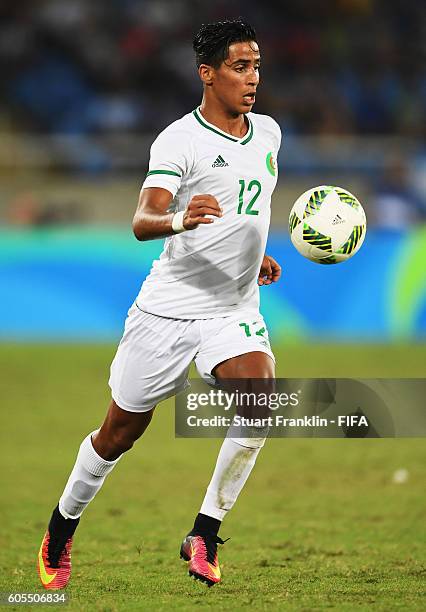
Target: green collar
x=244 y=140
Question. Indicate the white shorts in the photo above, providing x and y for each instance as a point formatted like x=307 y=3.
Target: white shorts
x=155 y=353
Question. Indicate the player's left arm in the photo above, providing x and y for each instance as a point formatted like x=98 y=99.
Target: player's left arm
x=270 y=271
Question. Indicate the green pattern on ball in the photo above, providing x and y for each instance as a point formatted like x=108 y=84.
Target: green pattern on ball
x=316 y=239
x=327 y=260
x=293 y=222
x=348 y=198
x=315 y=201
x=352 y=241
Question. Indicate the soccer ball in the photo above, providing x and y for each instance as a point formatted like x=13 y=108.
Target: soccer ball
x=327 y=224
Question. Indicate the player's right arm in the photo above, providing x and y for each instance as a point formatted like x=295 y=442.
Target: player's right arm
x=152 y=219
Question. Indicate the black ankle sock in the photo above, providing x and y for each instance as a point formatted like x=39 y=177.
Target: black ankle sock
x=206 y=524
x=61 y=526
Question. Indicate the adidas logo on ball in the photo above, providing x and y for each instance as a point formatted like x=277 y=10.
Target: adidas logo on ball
x=337 y=219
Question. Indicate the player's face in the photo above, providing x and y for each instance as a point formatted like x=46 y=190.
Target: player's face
x=236 y=80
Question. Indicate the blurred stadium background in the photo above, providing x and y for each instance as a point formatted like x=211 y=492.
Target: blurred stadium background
x=87 y=86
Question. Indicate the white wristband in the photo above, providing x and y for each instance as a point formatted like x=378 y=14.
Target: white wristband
x=177 y=222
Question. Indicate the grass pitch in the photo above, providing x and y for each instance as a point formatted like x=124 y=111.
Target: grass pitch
x=320 y=524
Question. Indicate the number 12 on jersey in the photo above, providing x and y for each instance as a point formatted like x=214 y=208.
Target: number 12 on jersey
x=253 y=192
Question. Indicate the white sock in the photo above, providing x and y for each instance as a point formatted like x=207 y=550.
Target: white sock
x=85 y=480
x=236 y=459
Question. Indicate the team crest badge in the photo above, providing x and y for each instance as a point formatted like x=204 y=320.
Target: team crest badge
x=271 y=164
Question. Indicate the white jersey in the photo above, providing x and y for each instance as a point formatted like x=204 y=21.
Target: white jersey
x=212 y=271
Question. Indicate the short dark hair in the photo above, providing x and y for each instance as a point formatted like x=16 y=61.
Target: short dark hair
x=212 y=41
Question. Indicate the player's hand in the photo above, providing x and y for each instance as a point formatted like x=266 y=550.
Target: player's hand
x=270 y=271
x=198 y=208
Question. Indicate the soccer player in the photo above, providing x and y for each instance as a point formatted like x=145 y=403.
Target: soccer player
x=208 y=190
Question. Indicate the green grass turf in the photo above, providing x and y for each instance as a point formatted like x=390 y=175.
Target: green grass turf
x=319 y=525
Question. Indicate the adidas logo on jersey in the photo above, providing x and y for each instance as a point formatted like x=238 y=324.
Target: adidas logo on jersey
x=219 y=162
x=337 y=219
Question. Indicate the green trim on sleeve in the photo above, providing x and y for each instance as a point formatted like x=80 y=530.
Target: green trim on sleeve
x=163 y=172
